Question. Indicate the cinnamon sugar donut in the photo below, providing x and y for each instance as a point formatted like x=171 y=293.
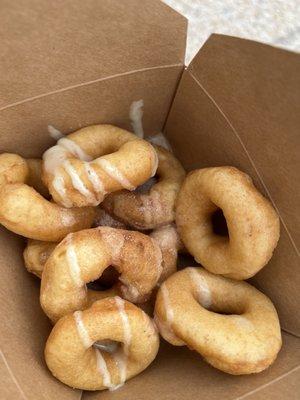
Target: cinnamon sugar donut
x=24 y=211
x=252 y=222
x=84 y=166
x=156 y=207
x=82 y=257
x=72 y=354
x=190 y=309
x=103 y=218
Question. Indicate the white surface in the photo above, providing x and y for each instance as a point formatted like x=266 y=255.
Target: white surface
x=274 y=22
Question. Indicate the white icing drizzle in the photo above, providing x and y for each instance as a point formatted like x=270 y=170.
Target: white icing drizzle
x=103 y=370
x=122 y=356
x=82 y=331
x=54 y=157
x=160 y=140
x=54 y=132
x=67 y=218
x=59 y=185
x=73 y=262
x=167 y=305
x=202 y=289
x=136 y=115
x=78 y=183
x=114 y=173
x=74 y=149
x=96 y=182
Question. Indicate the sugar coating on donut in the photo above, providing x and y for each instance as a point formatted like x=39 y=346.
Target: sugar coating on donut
x=81 y=329
x=67 y=218
x=202 y=289
x=114 y=173
x=105 y=219
x=73 y=262
x=136 y=115
x=114 y=241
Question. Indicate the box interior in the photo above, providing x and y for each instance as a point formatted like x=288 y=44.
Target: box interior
x=96 y=83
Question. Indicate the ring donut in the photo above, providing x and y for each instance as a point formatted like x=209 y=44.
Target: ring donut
x=188 y=311
x=83 y=256
x=72 y=354
x=84 y=166
x=24 y=211
x=156 y=207
x=252 y=222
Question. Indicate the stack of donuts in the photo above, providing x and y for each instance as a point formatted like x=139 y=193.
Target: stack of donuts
x=106 y=213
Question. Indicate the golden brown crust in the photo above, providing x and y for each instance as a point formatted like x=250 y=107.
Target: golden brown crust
x=83 y=256
x=35 y=176
x=94 y=161
x=72 y=358
x=24 y=211
x=190 y=308
x=156 y=207
x=252 y=222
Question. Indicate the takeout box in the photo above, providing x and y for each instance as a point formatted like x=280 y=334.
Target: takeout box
x=76 y=63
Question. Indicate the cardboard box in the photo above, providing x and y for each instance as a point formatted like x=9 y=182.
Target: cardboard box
x=73 y=63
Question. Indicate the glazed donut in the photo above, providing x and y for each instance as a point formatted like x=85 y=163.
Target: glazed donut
x=72 y=354
x=170 y=244
x=252 y=222
x=84 y=166
x=24 y=211
x=35 y=177
x=82 y=257
x=188 y=311
x=156 y=207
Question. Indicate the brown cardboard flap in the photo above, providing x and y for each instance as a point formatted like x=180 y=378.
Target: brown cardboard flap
x=24 y=330
x=23 y=128
x=178 y=373
x=47 y=46
x=237 y=105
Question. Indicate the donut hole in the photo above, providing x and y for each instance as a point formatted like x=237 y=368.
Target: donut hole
x=145 y=187
x=107 y=345
x=219 y=224
x=109 y=277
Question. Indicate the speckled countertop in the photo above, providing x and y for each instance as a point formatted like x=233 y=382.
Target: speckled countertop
x=274 y=22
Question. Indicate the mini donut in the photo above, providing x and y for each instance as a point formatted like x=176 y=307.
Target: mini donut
x=252 y=222
x=170 y=244
x=156 y=207
x=83 y=256
x=84 y=166
x=35 y=177
x=190 y=309
x=24 y=211
x=72 y=352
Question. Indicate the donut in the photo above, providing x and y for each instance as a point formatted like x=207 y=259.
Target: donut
x=170 y=244
x=87 y=164
x=25 y=212
x=231 y=324
x=35 y=176
x=156 y=207
x=83 y=256
x=252 y=222
x=74 y=354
